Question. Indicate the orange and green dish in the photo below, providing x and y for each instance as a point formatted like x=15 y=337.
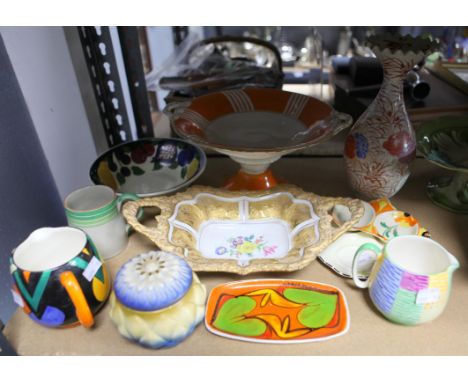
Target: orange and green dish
x=277 y=311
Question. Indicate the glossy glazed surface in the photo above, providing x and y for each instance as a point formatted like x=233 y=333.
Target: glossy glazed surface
x=444 y=142
x=244 y=229
x=382 y=143
x=152 y=281
x=258 y=120
x=150 y=166
x=340 y=254
x=389 y=222
x=277 y=311
x=95 y=210
x=256 y=126
x=59 y=291
x=410 y=283
x=161 y=328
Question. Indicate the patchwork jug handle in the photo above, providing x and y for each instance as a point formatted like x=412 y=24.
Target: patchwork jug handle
x=362 y=250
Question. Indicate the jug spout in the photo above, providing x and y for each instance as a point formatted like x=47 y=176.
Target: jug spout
x=454 y=264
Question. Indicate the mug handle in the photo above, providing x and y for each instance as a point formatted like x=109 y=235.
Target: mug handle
x=71 y=285
x=363 y=248
x=122 y=198
x=125 y=197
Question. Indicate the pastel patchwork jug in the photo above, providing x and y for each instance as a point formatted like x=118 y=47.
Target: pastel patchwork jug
x=411 y=278
x=59 y=278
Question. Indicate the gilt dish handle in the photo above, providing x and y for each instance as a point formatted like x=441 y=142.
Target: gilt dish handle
x=329 y=227
x=131 y=211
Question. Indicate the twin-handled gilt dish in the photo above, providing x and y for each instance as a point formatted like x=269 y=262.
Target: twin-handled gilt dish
x=243 y=232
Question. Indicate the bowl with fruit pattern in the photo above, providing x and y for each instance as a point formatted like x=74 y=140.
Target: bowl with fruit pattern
x=149 y=166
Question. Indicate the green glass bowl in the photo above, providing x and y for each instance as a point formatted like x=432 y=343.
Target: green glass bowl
x=444 y=142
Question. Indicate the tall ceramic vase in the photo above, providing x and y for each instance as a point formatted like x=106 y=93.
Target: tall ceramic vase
x=382 y=144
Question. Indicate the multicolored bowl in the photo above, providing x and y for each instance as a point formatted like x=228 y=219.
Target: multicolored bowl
x=149 y=167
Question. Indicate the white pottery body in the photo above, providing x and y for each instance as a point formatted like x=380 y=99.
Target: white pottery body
x=110 y=238
x=95 y=210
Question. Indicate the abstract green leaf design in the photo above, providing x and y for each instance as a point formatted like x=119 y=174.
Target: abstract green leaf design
x=174 y=165
x=320 y=307
x=157 y=166
x=137 y=170
x=231 y=318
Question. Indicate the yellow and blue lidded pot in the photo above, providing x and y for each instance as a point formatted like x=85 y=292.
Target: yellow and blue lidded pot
x=157 y=300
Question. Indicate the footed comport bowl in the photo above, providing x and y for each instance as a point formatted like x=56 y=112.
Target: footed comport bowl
x=255 y=127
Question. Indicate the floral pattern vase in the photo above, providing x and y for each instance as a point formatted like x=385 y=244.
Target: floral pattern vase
x=382 y=143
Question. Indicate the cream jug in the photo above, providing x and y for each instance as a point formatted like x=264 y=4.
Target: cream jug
x=411 y=279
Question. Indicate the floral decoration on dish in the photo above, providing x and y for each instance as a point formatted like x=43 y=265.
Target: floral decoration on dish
x=246 y=245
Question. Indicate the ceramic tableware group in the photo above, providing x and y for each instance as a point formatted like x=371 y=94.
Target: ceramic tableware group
x=59 y=278
x=411 y=280
x=95 y=210
x=380 y=222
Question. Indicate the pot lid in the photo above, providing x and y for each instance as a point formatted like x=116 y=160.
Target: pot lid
x=152 y=281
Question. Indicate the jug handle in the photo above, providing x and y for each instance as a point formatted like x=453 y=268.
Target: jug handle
x=362 y=249
x=71 y=285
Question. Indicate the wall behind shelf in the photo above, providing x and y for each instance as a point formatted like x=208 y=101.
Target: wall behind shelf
x=44 y=69
x=29 y=196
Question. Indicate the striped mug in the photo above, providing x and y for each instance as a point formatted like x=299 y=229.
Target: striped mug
x=95 y=210
x=411 y=278
x=59 y=278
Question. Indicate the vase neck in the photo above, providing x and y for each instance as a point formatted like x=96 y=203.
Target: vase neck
x=393 y=84
x=395 y=68
x=392 y=89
